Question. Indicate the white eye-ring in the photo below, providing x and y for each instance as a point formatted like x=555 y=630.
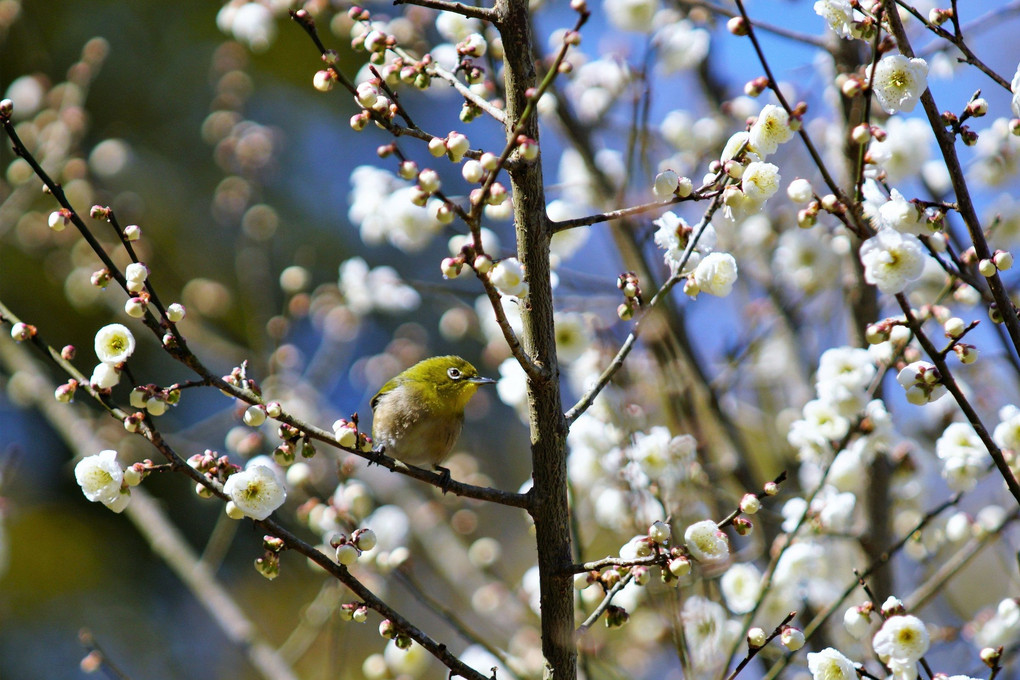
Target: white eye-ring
x=454 y=373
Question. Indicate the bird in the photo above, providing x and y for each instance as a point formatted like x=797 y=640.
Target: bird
x=417 y=416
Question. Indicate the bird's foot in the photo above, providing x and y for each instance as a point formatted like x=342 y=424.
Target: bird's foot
x=444 y=478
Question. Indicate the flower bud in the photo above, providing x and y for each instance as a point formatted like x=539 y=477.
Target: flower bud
x=954 y=327
x=58 y=220
x=323 y=80
x=482 y=264
x=659 y=532
x=684 y=187
x=233 y=512
x=365 y=539
x=792 y=638
x=750 y=504
x=429 y=181
x=456 y=145
x=756 y=638
x=254 y=415
x=679 y=567
x=22 y=331
x=666 y=183
x=135 y=307
x=65 y=393
x=175 y=312
x=437 y=146
x=451 y=267
x=737 y=26
x=346 y=554
x=472 y=171
x=1003 y=260
x=990 y=656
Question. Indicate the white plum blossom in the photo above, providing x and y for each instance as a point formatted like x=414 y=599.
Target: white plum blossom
x=631 y=15
x=800 y=190
x=735 y=145
x=834 y=509
x=741 y=587
x=709 y=634
x=662 y=457
x=892 y=260
x=382 y=206
x=101 y=480
x=596 y=85
x=1001 y=628
x=1014 y=87
x=802 y=258
x=904 y=150
x=760 y=182
x=771 y=129
x=250 y=23
x=454 y=27
x=573 y=336
x=809 y=440
x=366 y=290
x=680 y=43
x=898 y=82
x=1007 y=432
x=901 y=641
x=843 y=378
x=706 y=542
x=673 y=236
x=830 y=664
x=963 y=455
x=512 y=386
x=716 y=274
x=256 y=491
x=104 y=376
x=856 y=622
x=508 y=277
x=114 y=344
x=838 y=14
x=921 y=382
x=826 y=419
x=900 y=214
x=850 y=366
x=996 y=154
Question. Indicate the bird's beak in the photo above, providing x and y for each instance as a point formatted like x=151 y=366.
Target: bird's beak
x=479 y=380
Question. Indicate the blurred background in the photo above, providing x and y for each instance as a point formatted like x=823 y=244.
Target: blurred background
x=236 y=169
x=208 y=134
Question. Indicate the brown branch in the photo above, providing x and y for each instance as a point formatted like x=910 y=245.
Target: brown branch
x=470 y=11
x=947 y=143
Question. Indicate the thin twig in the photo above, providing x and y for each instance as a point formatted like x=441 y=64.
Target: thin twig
x=604 y=605
x=589 y=220
x=947 y=379
x=470 y=11
x=614 y=366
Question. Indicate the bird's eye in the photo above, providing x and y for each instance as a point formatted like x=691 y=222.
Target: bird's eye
x=454 y=373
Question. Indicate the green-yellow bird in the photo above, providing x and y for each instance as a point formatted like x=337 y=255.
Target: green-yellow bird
x=418 y=415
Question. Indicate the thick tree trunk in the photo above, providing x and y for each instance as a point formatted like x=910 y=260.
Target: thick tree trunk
x=548 y=426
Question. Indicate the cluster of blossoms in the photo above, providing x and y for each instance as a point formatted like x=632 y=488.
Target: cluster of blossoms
x=626 y=472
